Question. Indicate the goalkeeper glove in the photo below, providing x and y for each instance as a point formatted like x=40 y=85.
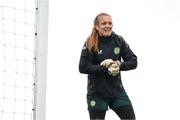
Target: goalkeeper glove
x=113 y=69
x=106 y=63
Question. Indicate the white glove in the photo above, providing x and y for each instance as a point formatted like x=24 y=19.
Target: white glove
x=113 y=69
x=117 y=62
x=106 y=63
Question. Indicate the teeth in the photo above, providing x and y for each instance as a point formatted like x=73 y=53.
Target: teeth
x=107 y=29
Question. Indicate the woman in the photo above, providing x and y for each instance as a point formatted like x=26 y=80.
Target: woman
x=101 y=60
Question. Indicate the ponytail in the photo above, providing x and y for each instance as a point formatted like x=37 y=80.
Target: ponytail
x=92 y=41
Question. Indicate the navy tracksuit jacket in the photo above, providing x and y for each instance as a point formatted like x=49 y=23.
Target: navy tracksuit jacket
x=100 y=83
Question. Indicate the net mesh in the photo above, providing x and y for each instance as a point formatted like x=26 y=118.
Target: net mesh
x=17 y=63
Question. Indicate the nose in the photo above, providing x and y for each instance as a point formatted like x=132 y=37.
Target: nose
x=108 y=24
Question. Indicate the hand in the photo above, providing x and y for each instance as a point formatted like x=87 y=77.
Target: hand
x=106 y=63
x=113 y=69
x=117 y=62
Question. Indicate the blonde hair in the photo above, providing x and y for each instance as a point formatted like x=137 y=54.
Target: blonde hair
x=92 y=40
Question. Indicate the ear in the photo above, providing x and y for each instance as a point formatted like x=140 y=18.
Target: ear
x=97 y=27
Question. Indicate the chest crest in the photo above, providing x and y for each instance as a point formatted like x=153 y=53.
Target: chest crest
x=116 y=50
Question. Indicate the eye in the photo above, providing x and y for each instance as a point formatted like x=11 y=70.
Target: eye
x=104 y=23
x=110 y=23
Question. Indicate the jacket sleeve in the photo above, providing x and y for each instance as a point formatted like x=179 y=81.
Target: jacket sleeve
x=86 y=65
x=129 y=58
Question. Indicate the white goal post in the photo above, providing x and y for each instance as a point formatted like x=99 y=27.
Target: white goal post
x=41 y=60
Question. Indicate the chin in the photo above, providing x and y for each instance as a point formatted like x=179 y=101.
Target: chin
x=107 y=35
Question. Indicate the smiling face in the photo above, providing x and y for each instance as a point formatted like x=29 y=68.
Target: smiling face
x=104 y=26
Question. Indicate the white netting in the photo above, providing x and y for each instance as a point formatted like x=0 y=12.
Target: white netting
x=17 y=64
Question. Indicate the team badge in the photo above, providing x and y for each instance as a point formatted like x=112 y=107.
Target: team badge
x=116 y=50
x=93 y=103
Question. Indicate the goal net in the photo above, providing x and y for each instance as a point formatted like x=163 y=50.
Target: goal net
x=17 y=58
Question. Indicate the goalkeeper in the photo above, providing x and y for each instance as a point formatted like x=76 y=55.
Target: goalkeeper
x=104 y=55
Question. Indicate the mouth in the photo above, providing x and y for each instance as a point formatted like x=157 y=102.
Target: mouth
x=107 y=29
x=107 y=32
